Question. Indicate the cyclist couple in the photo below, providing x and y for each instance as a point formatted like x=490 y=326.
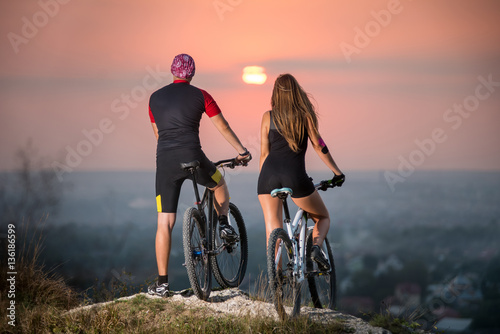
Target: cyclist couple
x=175 y=112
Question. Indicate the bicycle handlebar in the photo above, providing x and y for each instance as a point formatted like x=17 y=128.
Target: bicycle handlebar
x=325 y=184
x=231 y=163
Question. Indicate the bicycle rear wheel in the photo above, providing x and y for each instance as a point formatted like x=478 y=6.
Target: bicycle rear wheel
x=196 y=253
x=322 y=285
x=229 y=266
x=284 y=290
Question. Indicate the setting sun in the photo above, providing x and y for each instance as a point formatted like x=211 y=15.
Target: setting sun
x=254 y=75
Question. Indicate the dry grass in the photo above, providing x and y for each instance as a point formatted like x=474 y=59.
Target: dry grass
x=39 y=292
x=145 y=315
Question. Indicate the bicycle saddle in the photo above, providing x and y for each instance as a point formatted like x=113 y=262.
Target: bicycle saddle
x=284 y=191
x=188 y=165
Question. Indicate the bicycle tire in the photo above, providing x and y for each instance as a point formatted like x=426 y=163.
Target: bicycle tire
x=196 y=253
x=285 y=292
x=230 y=265
x=322 y=286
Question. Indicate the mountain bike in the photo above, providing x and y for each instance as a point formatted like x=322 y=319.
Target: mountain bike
x=289 y=263
x=204 y=251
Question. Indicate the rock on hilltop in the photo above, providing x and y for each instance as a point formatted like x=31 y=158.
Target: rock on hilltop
x=237 y=303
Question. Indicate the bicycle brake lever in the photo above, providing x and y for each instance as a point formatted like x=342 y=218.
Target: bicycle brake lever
x=323 y=185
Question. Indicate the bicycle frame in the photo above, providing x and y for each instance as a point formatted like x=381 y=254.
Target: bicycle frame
x=204 y=249
x=207 y=201
x=288 y=272
x=296 y=230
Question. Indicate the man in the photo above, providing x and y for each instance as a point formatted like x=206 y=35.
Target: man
x=175 y=112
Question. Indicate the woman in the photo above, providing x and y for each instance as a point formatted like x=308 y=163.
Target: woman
x=284 y=134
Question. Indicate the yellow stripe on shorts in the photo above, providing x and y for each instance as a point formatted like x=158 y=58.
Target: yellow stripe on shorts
x=217 y=176
x=158 y=203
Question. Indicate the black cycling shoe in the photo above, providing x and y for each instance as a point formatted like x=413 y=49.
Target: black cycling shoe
x=226 y=231
x=162 y=290
x=318 y=257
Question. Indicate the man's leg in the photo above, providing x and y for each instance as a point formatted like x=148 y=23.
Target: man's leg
x=163 y=245
x=221 y=194
x=221 y=203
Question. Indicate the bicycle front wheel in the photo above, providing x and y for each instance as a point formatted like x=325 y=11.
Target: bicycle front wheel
x=230 y=263
x=196 y=253
x=322 y=284
x=284 y=289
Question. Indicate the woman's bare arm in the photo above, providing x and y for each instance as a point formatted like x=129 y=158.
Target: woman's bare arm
x=322 y=150
x=264 y=138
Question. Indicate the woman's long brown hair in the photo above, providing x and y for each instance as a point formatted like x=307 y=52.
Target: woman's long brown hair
x=292 y=110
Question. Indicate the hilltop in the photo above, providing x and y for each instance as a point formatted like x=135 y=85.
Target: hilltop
x=234 y=303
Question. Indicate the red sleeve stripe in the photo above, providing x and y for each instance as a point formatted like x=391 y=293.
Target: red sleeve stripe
x=151 y=116
x=211 y=107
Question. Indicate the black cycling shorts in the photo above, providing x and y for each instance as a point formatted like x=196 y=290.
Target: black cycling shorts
x=170 y=175
x=276 y=174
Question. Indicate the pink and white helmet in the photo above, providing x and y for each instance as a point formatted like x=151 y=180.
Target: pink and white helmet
x=183 y=66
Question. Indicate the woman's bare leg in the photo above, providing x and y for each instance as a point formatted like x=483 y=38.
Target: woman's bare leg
x=273 y=213
x=314 y=205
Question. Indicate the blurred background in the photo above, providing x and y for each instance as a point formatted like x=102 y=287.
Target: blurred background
x=408 y=98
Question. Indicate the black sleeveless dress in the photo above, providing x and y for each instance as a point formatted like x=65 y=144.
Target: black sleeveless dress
x=284 y=167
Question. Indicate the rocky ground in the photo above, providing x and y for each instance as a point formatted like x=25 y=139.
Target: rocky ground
x=237 y=303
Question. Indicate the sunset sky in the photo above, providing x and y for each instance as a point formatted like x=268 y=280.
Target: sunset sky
x=413 y=82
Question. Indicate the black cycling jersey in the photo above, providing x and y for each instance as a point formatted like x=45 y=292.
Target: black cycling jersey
x=283 y=167
x=177 y=109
